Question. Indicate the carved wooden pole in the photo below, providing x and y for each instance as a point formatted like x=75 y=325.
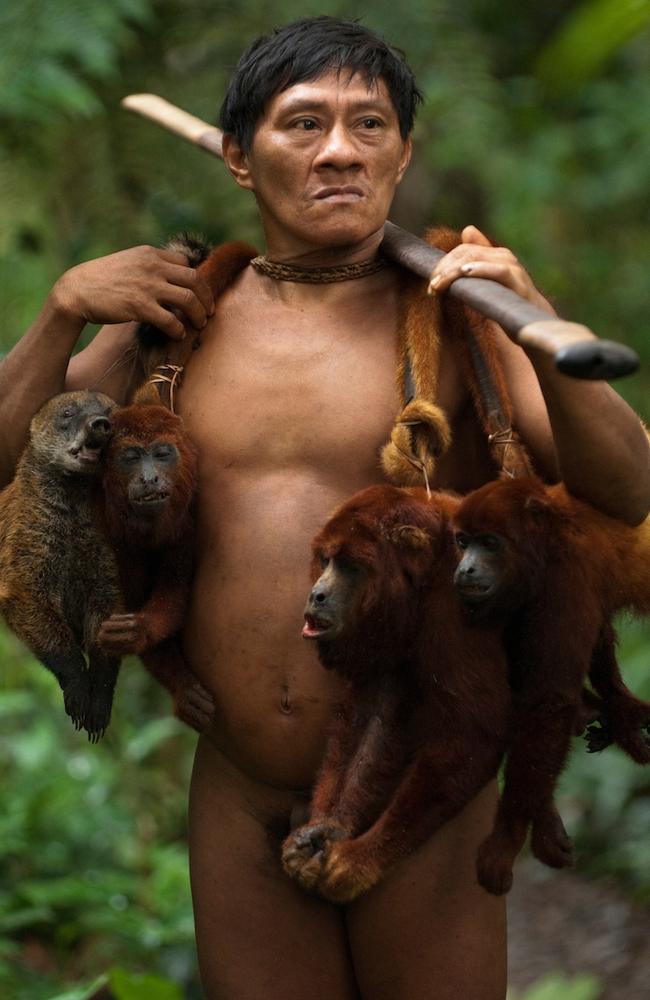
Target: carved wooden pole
x=576 y=350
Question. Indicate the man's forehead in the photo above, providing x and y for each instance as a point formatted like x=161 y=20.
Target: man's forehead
x=334 y=87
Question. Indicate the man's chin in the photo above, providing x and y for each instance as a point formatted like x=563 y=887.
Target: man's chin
x=344 y=235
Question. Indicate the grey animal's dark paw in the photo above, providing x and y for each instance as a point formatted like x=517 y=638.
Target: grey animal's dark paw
x=76 y=699
x=98 y=716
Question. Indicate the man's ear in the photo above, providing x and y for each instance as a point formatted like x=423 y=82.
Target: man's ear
x=405 y=160
x=237 y=162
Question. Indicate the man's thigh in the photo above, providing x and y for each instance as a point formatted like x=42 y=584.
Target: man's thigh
x=258 y=935
x=429 y=931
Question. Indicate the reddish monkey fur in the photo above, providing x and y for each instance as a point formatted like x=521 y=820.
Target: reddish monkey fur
x=567 y=570
x=154 y=551
x=414 y=668
x=425 y=719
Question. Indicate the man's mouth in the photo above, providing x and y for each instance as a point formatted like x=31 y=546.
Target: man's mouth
x=315 y=627
x=344 y=193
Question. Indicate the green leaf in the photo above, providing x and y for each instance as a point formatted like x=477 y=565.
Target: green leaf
x=129 y=986
x=152 y=735
x=589 y=37
x=557 y=987
x=82 y=992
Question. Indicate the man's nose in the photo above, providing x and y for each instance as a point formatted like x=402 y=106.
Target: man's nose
x=338 y=149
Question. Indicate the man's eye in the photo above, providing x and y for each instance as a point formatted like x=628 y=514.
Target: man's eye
x=306 y=124
x=370 y=123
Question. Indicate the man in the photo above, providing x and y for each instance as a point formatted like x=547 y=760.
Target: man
x=293 y=397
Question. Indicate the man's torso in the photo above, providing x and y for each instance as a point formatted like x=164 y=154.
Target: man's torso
x=289 y=404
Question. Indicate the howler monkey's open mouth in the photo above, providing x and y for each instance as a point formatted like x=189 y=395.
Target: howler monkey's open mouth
x=151 y=501
x=315 y=628
x=474 y=593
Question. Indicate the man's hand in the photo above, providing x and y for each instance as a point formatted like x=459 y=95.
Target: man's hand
x=142 y=285
x=475 y=257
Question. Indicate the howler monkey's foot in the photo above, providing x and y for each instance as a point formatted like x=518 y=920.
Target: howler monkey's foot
x=629 y=728
x=549 y=841
x=496 y=855
x=195 y=706
x=494 y=873
x=76 y=698
x=305 y=850
x=349 y=871
x=597 y=736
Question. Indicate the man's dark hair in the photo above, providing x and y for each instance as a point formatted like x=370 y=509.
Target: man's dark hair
x=306 y=50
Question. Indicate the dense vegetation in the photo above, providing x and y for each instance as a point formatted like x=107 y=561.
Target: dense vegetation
x=537 y=128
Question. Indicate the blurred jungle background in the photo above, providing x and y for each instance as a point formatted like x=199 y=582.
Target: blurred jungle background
x=536 y=128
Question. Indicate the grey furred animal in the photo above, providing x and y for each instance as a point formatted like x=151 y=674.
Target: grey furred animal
x=58 y=574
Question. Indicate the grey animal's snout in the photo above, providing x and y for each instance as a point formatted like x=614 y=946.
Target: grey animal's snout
x=98 y=431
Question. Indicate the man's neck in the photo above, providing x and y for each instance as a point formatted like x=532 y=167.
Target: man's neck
x=338 y=295
x=286 y=251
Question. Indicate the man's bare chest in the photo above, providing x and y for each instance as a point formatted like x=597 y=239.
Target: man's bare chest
x=283 y=388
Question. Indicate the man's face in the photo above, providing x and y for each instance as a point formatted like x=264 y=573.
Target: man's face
x=324 y=163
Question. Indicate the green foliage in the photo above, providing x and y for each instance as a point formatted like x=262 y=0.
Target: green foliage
x=591 y=35
x=605 y=798
x=560 y=988
x=125 y=986
x=49 y=52
x=93 y=866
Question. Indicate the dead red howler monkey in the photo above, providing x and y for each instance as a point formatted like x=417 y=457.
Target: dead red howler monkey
x=58 y=574
x=149 y=485
x=425 y=719
x=555 y=570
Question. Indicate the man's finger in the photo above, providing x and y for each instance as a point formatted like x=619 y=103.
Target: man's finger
x=165 y=321
x=188 y=277
x=471 y=234
x=185 y=301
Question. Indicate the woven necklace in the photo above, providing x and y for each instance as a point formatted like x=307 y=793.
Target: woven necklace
x=317 y=275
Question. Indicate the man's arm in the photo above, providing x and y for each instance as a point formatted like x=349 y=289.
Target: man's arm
x=126 y=288
x=581 y=432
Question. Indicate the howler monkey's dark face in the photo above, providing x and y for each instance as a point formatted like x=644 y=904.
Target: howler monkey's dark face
x=482 y=579
x=372 y=562
x=147 y=473
x=334 y=603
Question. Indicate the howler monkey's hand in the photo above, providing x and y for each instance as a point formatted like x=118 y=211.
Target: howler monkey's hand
x=122 y=634
x=194 y=705
x=141 y=284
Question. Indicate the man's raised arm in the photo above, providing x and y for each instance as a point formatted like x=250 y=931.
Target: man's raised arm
x=579 y=431
x=142 y=284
